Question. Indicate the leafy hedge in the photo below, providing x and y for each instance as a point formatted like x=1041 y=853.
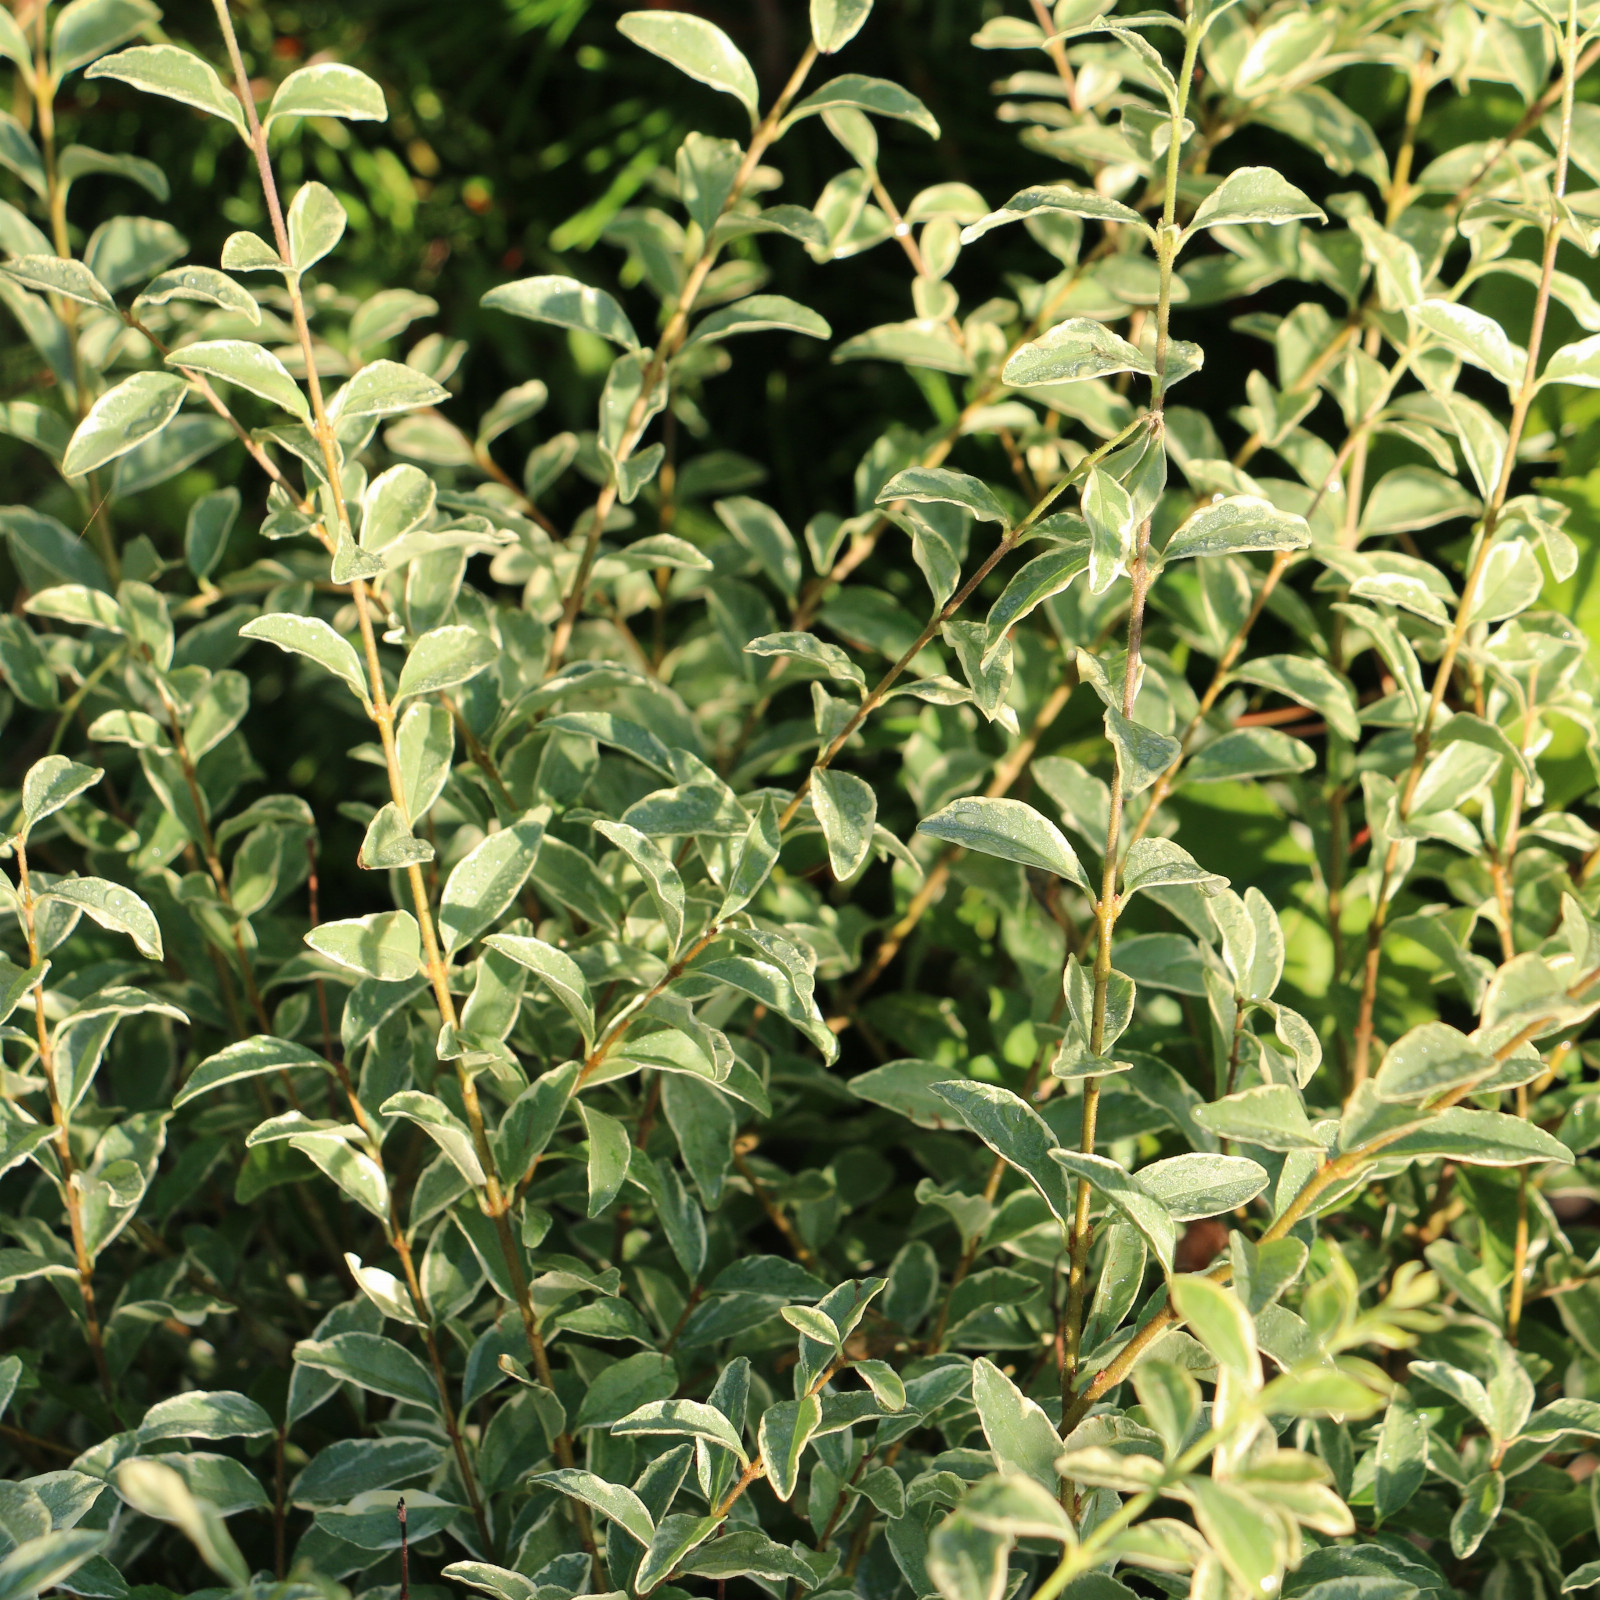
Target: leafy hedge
x=732 y=1081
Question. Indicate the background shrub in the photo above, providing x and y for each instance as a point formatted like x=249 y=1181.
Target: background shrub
x=673 y=917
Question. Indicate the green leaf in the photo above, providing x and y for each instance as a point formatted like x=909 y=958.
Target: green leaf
x=425 y=743
x=197 y=1414
x=113 y=907
x=1014 y=1131
x=1481 y=1501
x=688 y=1419
x=250 y=366
x=834 y=23
x=1310 y=681
x=1018 y=1507
x=79 y=161
x=370 y=1522
x=1218 y=1319
x=371 y=1362
x=1475 y=337
x=93 y=608
x=72 y=280
x=966 y=1562
x=1585 y=1577
x=1161 y=864
x=1248 y=1546
x=389 y=843
x=248 y=1058
x=17 y=981
x=611 y=1500
x=1011 y=830
x=847 y=808
x=1254 y=194
x=177 y=74
x=313 y=638
x=26 y=667
x=316 y=224
x=764 y=534
x=248 y=252
x=1269 y=1115
x=675 y=1538
x=384 y=389
x=1059 y=197
x=1239 y=524
x=1401 y=1457
x=940 y=486
x=386 y=945
x=486 y=880
x=205 y=537
x=1032 y=584
x=1249 y=753
x=814 y=1324
x=566 y=303
x=1575 y=363
x=442 y=1125
x=156 y=1490
x=1142 y=753
x=349 y=1467
x=807 y=647
x=695 y=47
x=1429 y=1060
x=1113 y=526
x=1019 y=1434
x=21 y=155
x=1196 y=1185
x=748 y=1553
x=1483 y=1138
x=328 y=89
x=885 y=1383
x=1072 y=351
x=625 y=1386
x=355 y=1172
x=786 y=1429
x=610 y=1146
x=557 y=969
x=203 y=284
x=876 y=96
x=14 y=43
x=51 y=784
x=42 y=1563
x=1128 y=1195
x=661 y=877
x=759 y=313
x=137 y=409
x=443 y=658
x=618 y=732
x=88 y=28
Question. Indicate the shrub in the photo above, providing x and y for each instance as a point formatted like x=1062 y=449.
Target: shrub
x=1079 y=1093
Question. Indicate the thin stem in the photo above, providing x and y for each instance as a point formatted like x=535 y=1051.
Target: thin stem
x=1341 y=1168
x=1107 y=907
x=672 y=337
x=394 y=1228
x=495 y=1200
x=1521 y=403
x=1006 y=774
x=60 y=1116
x=1281 y=562
x=1008 y=543
x=1519 y=1255
x=44 y=90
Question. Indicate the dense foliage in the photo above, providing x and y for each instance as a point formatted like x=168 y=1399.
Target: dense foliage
x=951 y=977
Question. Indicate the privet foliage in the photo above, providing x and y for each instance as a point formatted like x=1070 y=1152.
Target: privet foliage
x=539 y=1196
